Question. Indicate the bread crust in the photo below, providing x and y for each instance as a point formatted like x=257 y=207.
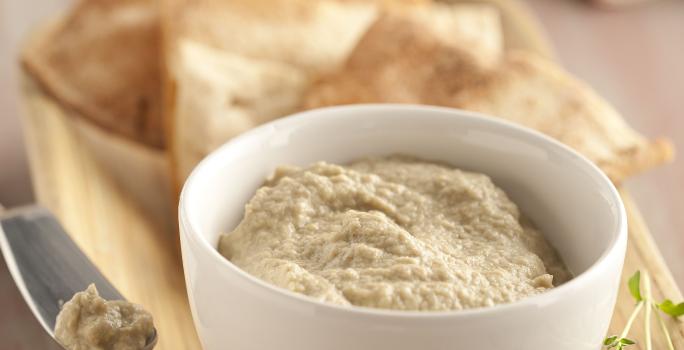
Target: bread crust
x=101 y=60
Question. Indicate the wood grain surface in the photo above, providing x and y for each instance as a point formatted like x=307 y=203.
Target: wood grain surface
x=138 y=251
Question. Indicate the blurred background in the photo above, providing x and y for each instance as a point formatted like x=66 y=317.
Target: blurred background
x=632 y=55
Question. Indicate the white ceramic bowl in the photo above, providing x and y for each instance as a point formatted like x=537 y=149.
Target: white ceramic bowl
x=570 y=200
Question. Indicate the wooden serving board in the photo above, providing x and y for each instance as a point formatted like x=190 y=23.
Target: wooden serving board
x=136 y=246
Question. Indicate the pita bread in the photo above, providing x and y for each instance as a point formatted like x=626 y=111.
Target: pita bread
x=318 y=36
x=102 y=60
x=230 y=59
x=470 y=26
x=221 y=94
x=522 y=88
x=312 y=35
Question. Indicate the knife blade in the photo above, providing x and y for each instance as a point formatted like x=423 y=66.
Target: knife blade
x=47 y=266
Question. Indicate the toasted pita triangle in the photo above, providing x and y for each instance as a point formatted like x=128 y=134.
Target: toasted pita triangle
x=238 y=64
x=312 y=35
x=221 y=94
x=523 y=88
x=102 y=60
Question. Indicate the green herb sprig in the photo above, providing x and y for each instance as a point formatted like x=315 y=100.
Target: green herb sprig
x=644 y=301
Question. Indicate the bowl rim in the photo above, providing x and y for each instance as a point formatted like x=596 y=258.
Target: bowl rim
x=189 y=231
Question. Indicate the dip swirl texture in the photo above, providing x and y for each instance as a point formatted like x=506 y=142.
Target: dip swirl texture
x=394 y=233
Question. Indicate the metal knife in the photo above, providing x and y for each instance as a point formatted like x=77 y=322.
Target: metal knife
x=47 y=266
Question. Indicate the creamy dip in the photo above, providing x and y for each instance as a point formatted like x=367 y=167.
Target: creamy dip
x=88 y=322
x=395 y=233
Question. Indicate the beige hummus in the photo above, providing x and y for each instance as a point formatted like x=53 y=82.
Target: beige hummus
x=88 y=322
x=395 y=233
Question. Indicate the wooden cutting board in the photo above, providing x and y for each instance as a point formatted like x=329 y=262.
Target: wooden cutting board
x=136 y=247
